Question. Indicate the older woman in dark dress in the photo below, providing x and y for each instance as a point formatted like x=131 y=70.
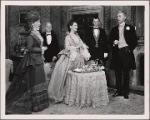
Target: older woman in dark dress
x=28 y=91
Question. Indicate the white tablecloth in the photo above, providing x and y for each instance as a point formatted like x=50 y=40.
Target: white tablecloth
x=86 y=89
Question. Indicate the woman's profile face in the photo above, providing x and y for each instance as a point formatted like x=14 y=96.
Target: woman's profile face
x=74 y=27
x=36 y=25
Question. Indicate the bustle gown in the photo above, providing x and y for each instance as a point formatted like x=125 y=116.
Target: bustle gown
x=28 y=91
x=70 y=58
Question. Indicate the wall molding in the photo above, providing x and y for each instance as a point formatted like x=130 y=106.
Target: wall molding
x=87 y=10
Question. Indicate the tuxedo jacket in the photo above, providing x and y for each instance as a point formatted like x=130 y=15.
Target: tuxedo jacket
x=102 y=43
x=131 y=40
x=53 y=47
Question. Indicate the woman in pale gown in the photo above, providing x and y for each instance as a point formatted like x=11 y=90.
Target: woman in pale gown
x=73 y=56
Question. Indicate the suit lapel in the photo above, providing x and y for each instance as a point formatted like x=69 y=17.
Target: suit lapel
x=117 y=31
x=52 y=37
x=125 y=31
x=45 y=38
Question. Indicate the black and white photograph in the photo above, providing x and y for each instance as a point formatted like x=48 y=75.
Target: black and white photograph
x=74 y=59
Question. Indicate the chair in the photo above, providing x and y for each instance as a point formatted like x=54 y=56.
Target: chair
x=9 y=68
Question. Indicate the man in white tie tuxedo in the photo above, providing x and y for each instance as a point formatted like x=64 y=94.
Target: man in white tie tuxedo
x=51 y=43
x=97 y=41
x=123 y=40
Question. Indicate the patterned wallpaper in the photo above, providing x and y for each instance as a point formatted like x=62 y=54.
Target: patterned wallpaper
x=115 y=9
x=55 y=20
x=13 y=23
x=45 y=16
x=57 y=15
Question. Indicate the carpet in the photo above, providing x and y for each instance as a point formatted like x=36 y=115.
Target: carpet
x=117 y=106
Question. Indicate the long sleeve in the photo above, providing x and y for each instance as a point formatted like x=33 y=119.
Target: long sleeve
x=134 y=39
x=111 y=38
x=105 y=42
x=31 y=47
x=56 y=45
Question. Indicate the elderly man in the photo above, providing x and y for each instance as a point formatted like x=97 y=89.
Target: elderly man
x=51 y=43
x=123 y=40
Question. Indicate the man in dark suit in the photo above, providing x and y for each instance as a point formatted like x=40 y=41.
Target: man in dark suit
x=51 y=43
x=123 y=40
x=97 y=42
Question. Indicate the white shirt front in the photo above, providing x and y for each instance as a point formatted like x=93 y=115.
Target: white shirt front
x=48 y=38
x=96 y=32
x=122 y=43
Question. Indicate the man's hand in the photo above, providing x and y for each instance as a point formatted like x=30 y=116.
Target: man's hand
x=116 y=42
x=54 y=58
x=105 y=55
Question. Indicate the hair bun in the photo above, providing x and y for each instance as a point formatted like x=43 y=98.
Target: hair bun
x=32 y=16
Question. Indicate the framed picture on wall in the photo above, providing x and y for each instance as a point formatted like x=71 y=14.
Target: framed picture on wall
x=21 y=17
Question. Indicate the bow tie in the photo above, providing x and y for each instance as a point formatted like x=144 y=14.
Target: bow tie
x=48 y=34
x=121 y=25
x=96 y=28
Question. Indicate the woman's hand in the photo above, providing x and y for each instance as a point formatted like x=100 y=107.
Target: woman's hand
x=43 y=49
x=86 y=58
x=54 y=58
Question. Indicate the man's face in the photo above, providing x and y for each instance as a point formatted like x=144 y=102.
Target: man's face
x=48 y=27
x=121 y=18
x=96 y=22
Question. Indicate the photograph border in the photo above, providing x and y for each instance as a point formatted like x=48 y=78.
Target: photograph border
x=51 y=3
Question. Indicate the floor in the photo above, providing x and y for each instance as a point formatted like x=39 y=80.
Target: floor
x=117 y=106
x=132 y=106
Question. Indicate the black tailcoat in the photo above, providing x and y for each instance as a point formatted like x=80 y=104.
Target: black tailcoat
x=102 y=43
x=53 y=48
x=131 y=40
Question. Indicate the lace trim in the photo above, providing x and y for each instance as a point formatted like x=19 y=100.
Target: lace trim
x=32 y=100
x=36 y=89
x=40 y=107
x=39 y=88
x=39 y=98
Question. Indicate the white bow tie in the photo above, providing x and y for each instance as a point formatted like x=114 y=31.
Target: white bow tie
x=121 y=25
x=48 y=34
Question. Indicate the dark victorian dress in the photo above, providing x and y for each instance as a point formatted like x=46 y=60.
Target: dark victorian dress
x=28 y=91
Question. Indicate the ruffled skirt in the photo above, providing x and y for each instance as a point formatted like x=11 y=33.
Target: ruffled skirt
x=56 y=88
x=28 y=91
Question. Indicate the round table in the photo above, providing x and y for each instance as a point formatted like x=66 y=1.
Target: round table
x=86 y=89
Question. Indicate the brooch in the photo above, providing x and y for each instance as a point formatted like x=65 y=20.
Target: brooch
x=127 y=28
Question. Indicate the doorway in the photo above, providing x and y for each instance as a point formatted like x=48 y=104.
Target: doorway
x=84 y=16
x=84 y=22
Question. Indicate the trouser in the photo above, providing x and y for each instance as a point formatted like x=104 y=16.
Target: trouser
x=122 y=82
x=97 y=54
x=122 y=73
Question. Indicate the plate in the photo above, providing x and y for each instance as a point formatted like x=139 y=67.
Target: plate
x=77 y=70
